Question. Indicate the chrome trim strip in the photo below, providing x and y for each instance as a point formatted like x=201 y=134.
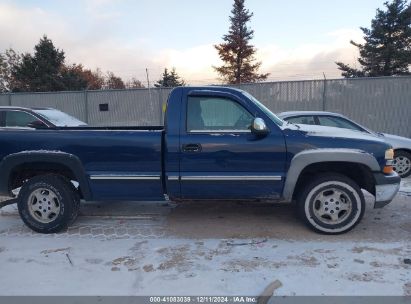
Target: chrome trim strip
x=187 y=178
x=125 y=177
x=219 y=131
x=231 y=178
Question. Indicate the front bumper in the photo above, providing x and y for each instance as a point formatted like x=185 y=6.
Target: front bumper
x=386 y=187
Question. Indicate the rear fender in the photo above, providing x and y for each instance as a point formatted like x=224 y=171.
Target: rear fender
x=52 y=157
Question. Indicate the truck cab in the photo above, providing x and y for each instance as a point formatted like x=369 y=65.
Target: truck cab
x=217 y=150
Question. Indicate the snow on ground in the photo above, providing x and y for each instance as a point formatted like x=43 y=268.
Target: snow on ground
x=207 y=249
x=39 y=266
x=406 y=186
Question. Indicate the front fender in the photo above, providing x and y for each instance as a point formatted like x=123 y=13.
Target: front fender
x=308 y=157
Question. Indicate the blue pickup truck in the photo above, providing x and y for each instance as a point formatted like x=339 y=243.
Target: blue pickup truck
x=217 y=144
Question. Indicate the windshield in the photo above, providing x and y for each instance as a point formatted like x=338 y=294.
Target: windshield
x=263 y=108
x=60 y=119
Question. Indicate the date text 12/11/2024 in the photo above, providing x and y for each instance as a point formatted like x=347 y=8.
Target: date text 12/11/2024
x=203 y=299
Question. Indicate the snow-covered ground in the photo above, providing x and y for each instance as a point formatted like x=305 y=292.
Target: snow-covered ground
x=406 y=186
x=81 y=266
x=207 y=249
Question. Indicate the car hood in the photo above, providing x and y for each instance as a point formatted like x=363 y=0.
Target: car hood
x=308 y=137
x=397 y=141
x=332 y=132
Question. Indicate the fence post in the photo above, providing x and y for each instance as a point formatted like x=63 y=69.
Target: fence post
x=86 y=105
x=325 y=93
x=160 y=96
x=9 y=99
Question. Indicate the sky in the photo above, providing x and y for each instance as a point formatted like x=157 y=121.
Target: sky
x=295 y=39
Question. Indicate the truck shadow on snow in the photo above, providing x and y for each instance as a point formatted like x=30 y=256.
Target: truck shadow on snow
x=231 y=219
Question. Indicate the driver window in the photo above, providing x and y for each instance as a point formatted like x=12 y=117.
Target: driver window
x=216 y=114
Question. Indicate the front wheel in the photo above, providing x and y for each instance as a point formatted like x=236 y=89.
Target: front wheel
x=331 y=204
x=48 y=203
x=402 y=163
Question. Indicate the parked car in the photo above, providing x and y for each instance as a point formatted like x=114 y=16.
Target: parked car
x=38 y=118
x=401 y=145
x=217 y=144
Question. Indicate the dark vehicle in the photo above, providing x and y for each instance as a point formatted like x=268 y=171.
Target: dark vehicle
x=401 y=145
x=217 y=144
x=36 y=118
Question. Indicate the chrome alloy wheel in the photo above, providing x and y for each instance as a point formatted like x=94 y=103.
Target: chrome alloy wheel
x=332 y=206
x=43 y=205
x=402 y=165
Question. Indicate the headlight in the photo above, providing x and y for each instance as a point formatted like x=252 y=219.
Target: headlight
x=389 y=154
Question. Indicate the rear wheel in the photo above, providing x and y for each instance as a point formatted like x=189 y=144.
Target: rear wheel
x=331 y=204
x=402 y=163
x=48 y=203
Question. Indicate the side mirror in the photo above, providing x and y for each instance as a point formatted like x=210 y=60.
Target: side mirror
x=259 y=127
x=37 y=124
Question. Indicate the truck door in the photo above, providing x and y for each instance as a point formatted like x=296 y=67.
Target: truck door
x=220 y=158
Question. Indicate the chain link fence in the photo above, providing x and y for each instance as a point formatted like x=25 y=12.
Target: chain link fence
x=381 y=104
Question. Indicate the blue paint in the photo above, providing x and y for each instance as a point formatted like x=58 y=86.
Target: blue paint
x=129 y=154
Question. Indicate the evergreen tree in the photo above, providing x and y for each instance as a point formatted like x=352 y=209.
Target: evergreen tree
x=236 y=51
x=46 y=70
x=165 y=78
x=73 y=77
x=41 y=72
x=387 y=47
x=170 y=80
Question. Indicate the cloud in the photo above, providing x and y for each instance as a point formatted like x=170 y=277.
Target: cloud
x=309 y=61
x=22 y=28
x=97 y=45
x=195 y=63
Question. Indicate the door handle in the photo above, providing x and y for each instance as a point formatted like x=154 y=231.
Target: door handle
x=192 y=148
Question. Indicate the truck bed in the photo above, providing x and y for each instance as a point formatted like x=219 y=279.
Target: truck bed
x=119 y=162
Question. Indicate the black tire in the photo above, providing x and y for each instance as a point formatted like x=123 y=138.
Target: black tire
x=405 y=158
x=63 y=198
x=75 y=198
x=330 y=196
